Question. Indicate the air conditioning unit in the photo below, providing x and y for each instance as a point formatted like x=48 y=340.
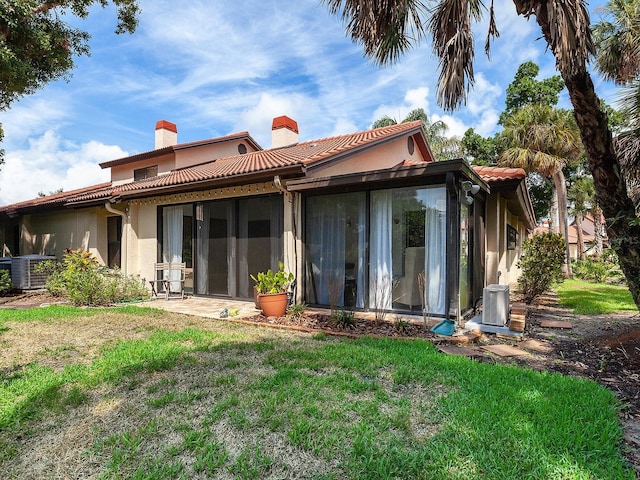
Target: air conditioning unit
x=495 y=305
x=23 y=274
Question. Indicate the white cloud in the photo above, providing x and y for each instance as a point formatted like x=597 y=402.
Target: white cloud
x=257 y=120
x=343 y=126
x=50 y=164
x=456 y=126
x=414 y=98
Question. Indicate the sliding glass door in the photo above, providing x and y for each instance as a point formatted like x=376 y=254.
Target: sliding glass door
x=235 y=239
x=382 y=250
x=214 y=250
x=336 y=249
x=177 y=236
x=259 y=244
x=408 y=249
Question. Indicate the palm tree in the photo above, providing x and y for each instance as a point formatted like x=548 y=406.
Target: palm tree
x=617 y=40
x=443 y=147
x=388 y=29
x=581 y=194
x=543 y=139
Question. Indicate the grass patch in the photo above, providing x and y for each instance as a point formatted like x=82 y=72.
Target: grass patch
x=254 y=404
x=585 y=298
x=63 y=312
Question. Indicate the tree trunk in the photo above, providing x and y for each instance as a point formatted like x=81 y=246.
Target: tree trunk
x=580 y=236
x=553 y=211
x=623 y=227
x=561 y=193
x=597 y=229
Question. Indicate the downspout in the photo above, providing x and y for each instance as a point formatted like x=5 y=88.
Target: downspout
x=124 y=236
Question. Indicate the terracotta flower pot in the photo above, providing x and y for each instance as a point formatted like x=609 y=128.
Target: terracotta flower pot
x=273 y=305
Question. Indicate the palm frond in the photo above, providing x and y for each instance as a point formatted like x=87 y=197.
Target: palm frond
x=567 y=33
x=450 y=27
x=385 y=28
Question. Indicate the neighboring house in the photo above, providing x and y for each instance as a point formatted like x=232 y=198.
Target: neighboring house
x=588 y=235
x=358 y=218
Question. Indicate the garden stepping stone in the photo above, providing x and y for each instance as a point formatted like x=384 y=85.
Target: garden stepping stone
x=555 y=324
x=537 y=346
x=504 y=350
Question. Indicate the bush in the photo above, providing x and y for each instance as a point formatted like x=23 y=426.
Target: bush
x=5 y=281
x=82 y=279
x=541 y=264
x=603 y=269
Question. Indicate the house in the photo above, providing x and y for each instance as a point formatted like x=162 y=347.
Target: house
x=366 y=220
x=589 y=228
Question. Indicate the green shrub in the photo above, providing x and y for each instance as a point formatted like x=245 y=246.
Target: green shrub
x=82 y=279
x=344 y=318
x=602 y=269
x=5 y=281
x=541 y=264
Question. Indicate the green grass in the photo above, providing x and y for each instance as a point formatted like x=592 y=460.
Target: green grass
x=586 y=298
x=63 y=312
x=321 y=408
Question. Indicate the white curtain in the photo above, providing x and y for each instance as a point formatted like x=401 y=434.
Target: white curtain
x=381 y=270
x=327 y=234
x=172 y=241
x=435 y=248
x=362 y=251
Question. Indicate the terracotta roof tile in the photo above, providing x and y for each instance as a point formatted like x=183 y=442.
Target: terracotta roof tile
x=499 y=174
x=304 y=155
x=56 y=199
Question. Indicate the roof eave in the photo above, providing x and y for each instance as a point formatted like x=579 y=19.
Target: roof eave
x=233 y=180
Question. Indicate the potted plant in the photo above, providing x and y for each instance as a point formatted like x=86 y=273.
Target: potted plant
x=272 y=290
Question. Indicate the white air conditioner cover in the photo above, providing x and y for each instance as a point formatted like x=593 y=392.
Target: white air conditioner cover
x=495 y=305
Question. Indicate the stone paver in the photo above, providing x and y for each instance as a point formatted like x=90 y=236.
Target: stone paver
x=205 y=307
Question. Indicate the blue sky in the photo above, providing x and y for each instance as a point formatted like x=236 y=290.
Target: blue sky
x=215 y=68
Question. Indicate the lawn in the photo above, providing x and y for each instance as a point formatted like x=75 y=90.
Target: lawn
x=157 y=395
x=586 y=298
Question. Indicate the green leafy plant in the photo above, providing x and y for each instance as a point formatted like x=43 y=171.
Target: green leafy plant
x=599 y=269
x=400 y=324
x=270 y=282
x=295 y=312
x=344 y=318
x=541 y=264
x=81 y=279
x=5 y=281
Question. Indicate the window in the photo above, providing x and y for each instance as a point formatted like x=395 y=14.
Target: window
x=512 y=238
x=146 y=172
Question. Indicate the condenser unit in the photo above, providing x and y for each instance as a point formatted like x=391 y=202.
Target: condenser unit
x=495 y=305
x=23 y=274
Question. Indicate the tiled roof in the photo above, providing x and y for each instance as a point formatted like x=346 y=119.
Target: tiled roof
x=57 y=198
x=303 y=155
x=181 y=146
x=499 y=174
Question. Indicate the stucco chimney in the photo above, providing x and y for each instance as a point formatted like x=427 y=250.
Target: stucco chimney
x=166 y=134
x=284 y=132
